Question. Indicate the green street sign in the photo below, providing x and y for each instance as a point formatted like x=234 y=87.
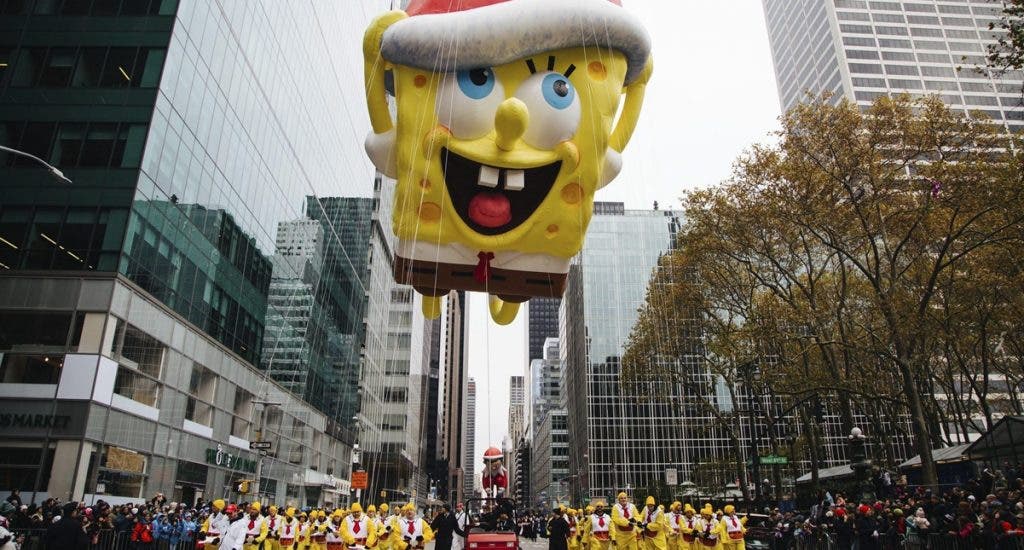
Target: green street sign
x=773 y=459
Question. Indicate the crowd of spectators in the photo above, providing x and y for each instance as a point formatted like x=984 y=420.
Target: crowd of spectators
x=986 y=512
x=153 y=524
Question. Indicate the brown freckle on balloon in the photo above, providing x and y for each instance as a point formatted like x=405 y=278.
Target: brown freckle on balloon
x=572 y=193
x=420 y=81
x=552 y=231
x=430 y=212
x=597 y=70
x=425 y=184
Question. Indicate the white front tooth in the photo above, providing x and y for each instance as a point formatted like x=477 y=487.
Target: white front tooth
x=515 y=180
x=488 y=176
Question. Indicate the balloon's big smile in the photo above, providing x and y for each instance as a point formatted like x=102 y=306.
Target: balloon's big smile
x=492 y=200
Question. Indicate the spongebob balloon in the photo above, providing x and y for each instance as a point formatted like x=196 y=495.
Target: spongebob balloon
x=508 y=116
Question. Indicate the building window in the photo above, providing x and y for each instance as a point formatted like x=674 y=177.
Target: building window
x=202 y=388
x=136 y=386
x=241 y=420
x=30 y=369
x=401 y=296
x=33 y=328
x=399 y=341
x=5 y=63
x=138 y=350
x=399 y=319
x=19 y=466
x=395 y=395
x=393 y=423
x=57 y=69
x=121 y=472
x=396 y=366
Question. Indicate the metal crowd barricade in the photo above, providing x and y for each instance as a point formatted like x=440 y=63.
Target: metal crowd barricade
x=106 y=540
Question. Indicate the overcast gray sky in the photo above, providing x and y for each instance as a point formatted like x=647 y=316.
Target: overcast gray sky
x=713 y=95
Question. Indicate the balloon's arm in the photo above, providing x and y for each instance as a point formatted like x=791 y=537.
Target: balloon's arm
x=374 y=68
x=631 y=109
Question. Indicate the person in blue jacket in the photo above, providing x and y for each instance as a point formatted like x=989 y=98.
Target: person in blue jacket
x=170 y=530
x=188 y=530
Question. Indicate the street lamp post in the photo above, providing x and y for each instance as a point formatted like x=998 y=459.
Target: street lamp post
x=53 y=169
x=266 y=404
x=861 y=465
x=750 y=371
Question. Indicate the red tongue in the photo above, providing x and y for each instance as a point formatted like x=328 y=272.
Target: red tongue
x=490 y=209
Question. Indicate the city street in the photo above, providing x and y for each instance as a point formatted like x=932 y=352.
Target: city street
x=528 y=544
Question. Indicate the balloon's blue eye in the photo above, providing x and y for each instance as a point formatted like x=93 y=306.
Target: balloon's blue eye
x=476 y=83
x=558 y=91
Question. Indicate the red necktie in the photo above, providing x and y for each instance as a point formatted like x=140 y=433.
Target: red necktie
x=412 y=529
x=272 y=520
x=287 y=529
x=625 y=512
x=252 y=524
x=355 y=526
x=734 y=521
x=600 y=521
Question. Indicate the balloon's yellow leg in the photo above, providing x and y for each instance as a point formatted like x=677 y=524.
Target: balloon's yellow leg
x=431 y=307
x=503 y=312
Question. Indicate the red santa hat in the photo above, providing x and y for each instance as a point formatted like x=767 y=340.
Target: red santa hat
x=451 y=35
x=493 y=453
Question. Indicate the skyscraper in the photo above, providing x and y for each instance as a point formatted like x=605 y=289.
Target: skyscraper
x=860 y=50
x=611 y=442
x=543 y=324
x=516 y=425
x=469 y=459
x=191 y=131
x=547 y=430
x=516 y=403
x=454 y=428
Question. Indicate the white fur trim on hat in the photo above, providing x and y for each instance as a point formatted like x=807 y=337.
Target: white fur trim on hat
x=517 y=29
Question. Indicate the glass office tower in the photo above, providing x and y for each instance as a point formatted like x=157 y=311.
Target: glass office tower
x=191 y=130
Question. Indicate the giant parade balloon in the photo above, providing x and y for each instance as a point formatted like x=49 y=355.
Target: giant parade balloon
x=499 y=119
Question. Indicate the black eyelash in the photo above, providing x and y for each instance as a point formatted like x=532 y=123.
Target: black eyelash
x=551 y=62
x=533 y=68
x=568 y=72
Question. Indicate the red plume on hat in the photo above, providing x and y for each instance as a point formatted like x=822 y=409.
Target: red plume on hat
x=469 y=34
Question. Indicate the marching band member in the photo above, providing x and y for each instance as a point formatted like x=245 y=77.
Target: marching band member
x=675 y=520
x=708 y=530
x=302 y=538
x=256 y=529
x=358 y=528
x=332 y=532
x=624 y=516
x=655 y=526
x=384 y=539
x=412 y=533
x=583 y=525
x=689 y=528
x=600 y=523
x=215 y=525
x=287 y=530
x=318 y=530
x=273 y=522
x=570 y=518
x=734 y=529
